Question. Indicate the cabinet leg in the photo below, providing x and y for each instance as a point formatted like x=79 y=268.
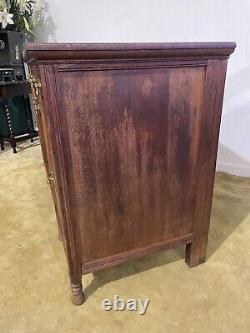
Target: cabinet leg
x=2 y=144
x=203 y=250
x=13 y=144
x=192 y=257
x=77 y=296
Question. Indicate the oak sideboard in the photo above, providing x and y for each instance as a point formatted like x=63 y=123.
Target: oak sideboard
x=129 y=135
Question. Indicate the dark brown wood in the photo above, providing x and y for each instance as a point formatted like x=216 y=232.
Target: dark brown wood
x=129 y=134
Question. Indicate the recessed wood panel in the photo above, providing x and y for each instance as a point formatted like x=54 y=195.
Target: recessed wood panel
x=132 y=141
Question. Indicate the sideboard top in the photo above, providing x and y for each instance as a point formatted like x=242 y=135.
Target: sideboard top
x=81 y=51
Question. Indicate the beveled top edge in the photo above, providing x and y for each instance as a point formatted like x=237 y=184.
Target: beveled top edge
x=128 y=46
x=53 y=51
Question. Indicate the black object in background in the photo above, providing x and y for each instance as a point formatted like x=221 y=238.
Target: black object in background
x=16 y=119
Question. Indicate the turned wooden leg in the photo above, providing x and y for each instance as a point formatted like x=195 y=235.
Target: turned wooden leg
x=77 y=296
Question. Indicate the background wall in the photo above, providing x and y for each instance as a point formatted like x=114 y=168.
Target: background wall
x=167 y=21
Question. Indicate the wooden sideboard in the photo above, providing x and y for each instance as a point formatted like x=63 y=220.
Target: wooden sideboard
x=129 y=135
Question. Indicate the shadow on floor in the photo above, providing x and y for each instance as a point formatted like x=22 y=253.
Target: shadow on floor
x=107 y=275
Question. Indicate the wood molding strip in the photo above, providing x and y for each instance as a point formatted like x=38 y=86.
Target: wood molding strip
x=82 y=51
x=137 y=253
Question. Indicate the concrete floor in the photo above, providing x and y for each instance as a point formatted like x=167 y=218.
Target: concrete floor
x=34 y=288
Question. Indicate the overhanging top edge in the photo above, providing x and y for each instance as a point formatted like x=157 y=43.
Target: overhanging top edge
x=53 y=51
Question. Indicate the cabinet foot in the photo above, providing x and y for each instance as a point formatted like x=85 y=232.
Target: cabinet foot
x=77 y=296
x=192 y=257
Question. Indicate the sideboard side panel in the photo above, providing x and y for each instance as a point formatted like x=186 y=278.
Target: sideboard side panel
x=131 y=142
